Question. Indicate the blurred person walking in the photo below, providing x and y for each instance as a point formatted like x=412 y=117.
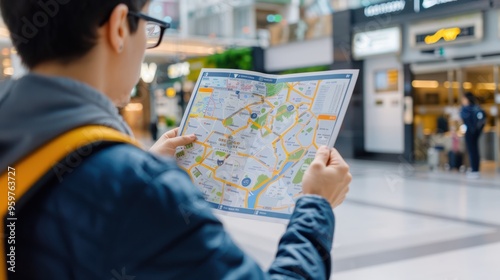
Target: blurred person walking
x=120 y=208
x=474 y=119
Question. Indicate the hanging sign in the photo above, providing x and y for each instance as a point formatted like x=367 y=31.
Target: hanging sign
x=377 y=42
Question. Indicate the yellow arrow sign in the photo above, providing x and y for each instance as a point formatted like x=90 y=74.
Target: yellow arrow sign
x=448 y=34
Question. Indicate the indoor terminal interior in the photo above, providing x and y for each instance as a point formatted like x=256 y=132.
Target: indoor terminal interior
x=413 y=211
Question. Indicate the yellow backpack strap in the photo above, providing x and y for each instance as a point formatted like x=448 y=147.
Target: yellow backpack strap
x=19 y=178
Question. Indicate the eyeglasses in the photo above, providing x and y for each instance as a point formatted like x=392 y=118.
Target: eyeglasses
x=155 y=29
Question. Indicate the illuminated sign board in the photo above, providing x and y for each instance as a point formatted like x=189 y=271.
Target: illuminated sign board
x=446 y=35
x=431 y=3
x=385 y=8
x=456 y=30
x=395 y=11
x=377 y=42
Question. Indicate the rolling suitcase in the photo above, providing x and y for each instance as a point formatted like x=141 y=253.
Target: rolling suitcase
x=455 y=160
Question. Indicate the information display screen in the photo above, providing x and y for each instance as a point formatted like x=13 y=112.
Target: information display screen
x=387 y=81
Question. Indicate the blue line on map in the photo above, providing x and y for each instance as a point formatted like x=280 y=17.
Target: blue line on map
x=252 y=199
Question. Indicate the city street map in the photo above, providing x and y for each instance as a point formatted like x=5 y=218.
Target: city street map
x=257 y=135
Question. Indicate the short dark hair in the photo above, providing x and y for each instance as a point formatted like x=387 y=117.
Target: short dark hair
x=470 y=96
x=60 y=30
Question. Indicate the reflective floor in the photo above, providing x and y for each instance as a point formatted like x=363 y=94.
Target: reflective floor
x=401 y=222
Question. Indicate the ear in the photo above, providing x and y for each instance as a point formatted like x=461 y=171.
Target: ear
x=118 y=28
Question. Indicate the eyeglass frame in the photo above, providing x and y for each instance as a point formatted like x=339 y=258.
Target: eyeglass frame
x=162 y=24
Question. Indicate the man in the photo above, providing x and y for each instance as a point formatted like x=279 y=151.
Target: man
x=123 y=210
x=474 y=118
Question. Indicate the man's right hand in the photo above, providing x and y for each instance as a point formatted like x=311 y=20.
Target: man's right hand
x=328 y=176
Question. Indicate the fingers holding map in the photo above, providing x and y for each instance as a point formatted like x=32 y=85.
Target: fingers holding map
x=257 y=134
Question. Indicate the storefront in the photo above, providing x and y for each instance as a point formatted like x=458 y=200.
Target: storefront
x=307 y=43
x=156 y=103
x=138 y=112
x=447 y=48
x=383 y=88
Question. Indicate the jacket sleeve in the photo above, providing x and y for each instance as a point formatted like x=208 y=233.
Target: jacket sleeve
x=304 y=249
x=467 y=115
x=463 y=114
x=168 y=232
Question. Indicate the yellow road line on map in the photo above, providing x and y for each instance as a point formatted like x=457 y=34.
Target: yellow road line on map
x=268 y=129
x=290 y=88
x=314 y=138
x=279 y=208
x=316 y=90
x=207 y=167
x=301 y=94
x=202 y=159
x=270 y=104
x=202 y=144
x=241 y=128
x=230 y=183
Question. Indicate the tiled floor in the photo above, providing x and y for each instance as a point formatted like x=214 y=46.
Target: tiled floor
x=401 y=222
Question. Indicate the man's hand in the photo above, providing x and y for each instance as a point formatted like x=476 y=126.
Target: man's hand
x=328 y=176
x=168 y=143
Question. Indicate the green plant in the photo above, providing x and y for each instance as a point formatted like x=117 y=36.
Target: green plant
x=233 y=59
x=169 y=121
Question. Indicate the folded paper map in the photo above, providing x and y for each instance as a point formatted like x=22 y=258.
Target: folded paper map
x=257 y=135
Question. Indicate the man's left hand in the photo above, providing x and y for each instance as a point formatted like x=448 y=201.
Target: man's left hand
x=168 y=143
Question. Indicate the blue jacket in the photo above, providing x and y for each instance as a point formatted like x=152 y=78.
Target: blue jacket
x=467 y=114
x=122 y=213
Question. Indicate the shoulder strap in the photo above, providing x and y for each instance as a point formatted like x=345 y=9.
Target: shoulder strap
x=19 y=178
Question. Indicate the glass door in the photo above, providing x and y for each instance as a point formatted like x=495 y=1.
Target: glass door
x=435 y=97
